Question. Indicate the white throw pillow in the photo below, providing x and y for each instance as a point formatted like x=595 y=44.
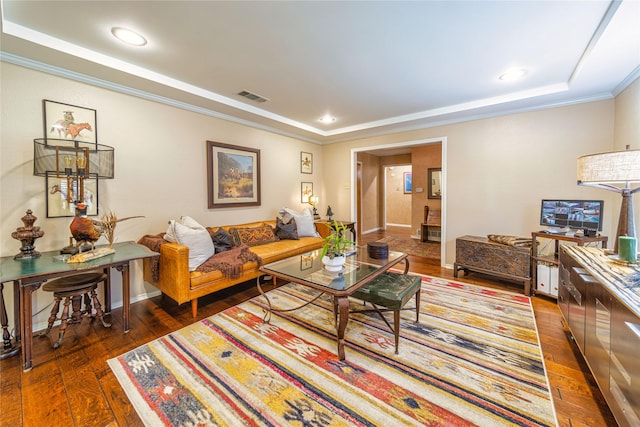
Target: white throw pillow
x=170 y=235
x=197 y=238
x=304 y=222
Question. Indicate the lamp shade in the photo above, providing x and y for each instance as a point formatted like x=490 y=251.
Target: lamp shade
x=616 y=167
x=51 y=157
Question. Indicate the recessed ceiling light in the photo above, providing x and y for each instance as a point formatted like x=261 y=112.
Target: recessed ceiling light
x=128 y=36
x=326 y=119
x=513 y=74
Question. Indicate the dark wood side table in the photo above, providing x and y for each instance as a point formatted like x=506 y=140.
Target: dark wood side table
x=28 y=275
x=433 y=218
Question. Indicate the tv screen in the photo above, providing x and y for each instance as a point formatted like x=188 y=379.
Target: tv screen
x=583 y=215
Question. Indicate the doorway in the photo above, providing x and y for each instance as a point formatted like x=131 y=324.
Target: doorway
x=397 y=196
x=364 y=206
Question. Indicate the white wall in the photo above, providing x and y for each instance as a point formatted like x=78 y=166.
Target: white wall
x=160 y=166
x=497 y=170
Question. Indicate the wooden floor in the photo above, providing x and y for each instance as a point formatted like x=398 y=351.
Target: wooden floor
x=73 y=386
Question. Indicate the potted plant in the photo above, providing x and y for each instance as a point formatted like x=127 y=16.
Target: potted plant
x=335 y=248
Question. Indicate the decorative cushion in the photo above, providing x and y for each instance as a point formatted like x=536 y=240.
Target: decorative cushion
x=304 y=222
x=187 y=221
x=286 y=231
x=222 y=240
x=391 y=290
x=197 y=239
x=253 y=236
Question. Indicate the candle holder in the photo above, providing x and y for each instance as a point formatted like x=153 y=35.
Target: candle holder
x=27 y=236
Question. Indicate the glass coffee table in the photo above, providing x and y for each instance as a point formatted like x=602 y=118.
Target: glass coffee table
x=307 y=270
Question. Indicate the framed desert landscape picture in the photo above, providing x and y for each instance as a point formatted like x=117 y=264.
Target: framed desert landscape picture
x=233 y=175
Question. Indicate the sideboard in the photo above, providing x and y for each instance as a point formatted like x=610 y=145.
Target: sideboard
x=600 y=301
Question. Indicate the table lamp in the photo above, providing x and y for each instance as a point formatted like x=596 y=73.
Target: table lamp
x=313 y=201
x=614 y=171
x=73 y=162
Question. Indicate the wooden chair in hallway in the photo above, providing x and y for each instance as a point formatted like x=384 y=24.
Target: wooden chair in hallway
x=432 y=218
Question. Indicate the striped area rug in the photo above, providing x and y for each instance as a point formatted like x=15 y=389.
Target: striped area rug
x=473 y=359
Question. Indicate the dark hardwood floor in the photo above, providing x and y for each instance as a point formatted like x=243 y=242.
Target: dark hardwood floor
x=73 y=386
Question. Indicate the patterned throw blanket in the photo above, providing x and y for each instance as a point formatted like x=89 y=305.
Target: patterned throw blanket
x=153 y=242
x=229 y=262
x=510 y=240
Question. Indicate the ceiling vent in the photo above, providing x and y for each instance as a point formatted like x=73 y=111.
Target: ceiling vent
x=252 y=96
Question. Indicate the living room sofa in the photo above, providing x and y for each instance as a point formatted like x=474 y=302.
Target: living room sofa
x=171 y=272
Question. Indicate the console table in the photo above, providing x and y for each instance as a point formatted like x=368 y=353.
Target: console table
x=29 y=274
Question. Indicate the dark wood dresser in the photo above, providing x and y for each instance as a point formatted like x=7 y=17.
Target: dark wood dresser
x=479 y=254
x=600 y=302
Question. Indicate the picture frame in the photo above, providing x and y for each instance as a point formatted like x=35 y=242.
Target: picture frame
x=233 y=176
x=306 y=162
x=69 y=122
x=306 y=262
x=306 y=190
x=434 y=181
x=407 y=180
x=56 y=191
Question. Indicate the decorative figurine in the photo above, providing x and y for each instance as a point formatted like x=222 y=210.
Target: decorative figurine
x=85 y=230
x=27 y=236
x=329 y=213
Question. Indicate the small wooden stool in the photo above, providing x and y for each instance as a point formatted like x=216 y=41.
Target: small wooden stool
x=391 y=291
x=72 y=289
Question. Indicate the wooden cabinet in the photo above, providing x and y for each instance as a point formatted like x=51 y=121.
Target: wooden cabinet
x=552 y=260
x=508 y=262
x=603 y=315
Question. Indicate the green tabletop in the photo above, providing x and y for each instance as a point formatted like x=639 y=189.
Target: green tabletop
x=46 y=264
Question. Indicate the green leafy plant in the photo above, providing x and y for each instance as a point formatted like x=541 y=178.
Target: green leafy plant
x=336 y=244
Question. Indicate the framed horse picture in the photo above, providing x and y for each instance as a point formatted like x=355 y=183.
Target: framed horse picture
x=233 y=175
x=70 y=122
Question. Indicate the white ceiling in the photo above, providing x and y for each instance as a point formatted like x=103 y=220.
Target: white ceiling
x=378 y=67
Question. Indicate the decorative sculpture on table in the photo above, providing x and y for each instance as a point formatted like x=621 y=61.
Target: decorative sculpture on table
x=329 y=213
x=87 y=231
x=84 y=230
x=27 y=236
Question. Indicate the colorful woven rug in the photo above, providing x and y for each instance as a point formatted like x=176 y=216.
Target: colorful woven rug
x=473 y=359
x=413 y=246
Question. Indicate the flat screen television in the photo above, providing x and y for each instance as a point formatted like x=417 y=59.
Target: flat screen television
x=585 y=215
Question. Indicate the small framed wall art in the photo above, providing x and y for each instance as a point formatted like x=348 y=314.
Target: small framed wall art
x=233 y=175
x=306 y=162
x=407 y=182
x=70 y=122
x=306 y=190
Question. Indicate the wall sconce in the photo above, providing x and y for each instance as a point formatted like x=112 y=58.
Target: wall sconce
x=614 y=171
x=313 y=201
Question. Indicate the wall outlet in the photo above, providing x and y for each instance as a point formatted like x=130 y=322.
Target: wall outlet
x=417 y=231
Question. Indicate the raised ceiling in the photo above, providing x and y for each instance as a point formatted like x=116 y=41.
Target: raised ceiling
x=378 y=67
